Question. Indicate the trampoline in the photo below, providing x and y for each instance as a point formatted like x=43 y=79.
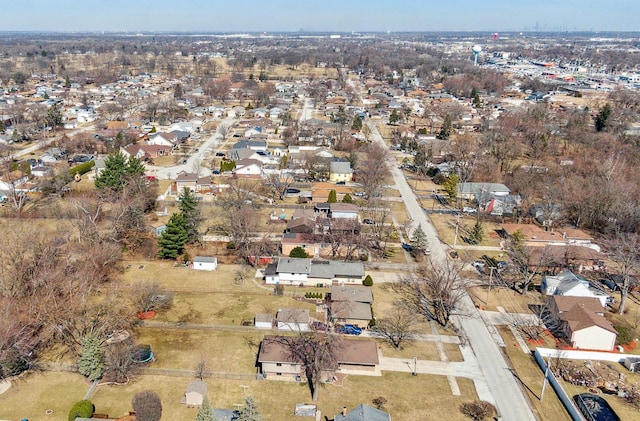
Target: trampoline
x=142 y=354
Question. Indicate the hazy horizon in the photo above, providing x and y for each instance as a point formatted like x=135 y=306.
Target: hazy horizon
x=329 y=16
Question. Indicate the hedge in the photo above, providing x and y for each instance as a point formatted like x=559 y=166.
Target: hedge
x=82 y=169
x=82 y=409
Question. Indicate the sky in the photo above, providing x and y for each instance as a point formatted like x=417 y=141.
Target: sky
x=319 y=15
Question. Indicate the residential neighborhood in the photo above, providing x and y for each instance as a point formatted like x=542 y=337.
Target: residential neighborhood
x=325 y=227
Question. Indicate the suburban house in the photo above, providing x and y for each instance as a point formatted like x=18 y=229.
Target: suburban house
x=146 y=152
x=343 y=210
x=571 y=285
x=254 y=145
x=163 y=139
x=293 y=319
x=193 y=182
x=582 y=321
x=535 y=235
x=351 y=304
x=362 y=412
x=469 y=191
x=248 y=168
x=303 y=221
x=353 y=356
x=204 y=263
x=312 y=244
x=294 y=271
x=340 y=171
x=195 y=393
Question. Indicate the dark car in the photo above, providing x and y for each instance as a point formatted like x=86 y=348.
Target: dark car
x=219 y=153
x=368 y=221
x=350 y=330
x=407 y=247
x=215 y=172
x=341 y=183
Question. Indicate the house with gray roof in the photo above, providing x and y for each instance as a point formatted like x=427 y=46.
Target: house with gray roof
x=298 y=271
x=469 y=191
x=340 y=171
x=362 y=412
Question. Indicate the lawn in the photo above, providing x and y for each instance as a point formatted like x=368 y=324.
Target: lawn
x=529 y=373
x=181 y=349
x=512 y=301
x=35 y=392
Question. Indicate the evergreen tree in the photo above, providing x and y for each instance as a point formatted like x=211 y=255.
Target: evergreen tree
x=298 y=252
x=54 y=117
x=250 y=411
x=445 y=130
x=477 y=233
x=347 y=198
x=190 y=209
x=419 y=239
x=602 y=120
x=117 y=171
x=91 y=361
x=394 y=118
x=173 y=239
x=333 y=197
x=451 y=186
x=357 y=123
x=205 y=413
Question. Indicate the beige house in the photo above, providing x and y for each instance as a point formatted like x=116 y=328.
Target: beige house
x=582 y=321
x=277 y=360
x=340 y=171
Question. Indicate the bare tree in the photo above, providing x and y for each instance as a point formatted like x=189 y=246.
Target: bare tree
x=524 y=264
x=150 y=295
x=317 y=353
x=224 y=129
x=623 y=248
x=434 y=291
x=373 y=169
x=200 y=370
x=147 y=405
x=397 y=326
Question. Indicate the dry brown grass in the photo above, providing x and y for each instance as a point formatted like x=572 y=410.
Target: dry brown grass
x=512 y=301
x=531 y=377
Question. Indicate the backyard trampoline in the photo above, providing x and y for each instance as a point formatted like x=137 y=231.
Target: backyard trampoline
x=142 y=354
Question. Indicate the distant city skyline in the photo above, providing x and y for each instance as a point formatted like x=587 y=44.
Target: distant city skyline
x=322 y=16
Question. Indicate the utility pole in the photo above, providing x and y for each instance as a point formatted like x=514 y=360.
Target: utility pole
x=491 y=269
x=546 y=375
x=455 y=239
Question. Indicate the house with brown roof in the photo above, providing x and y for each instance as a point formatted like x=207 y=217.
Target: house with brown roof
x=535 y=235
x=582 y=321
x=352 y=356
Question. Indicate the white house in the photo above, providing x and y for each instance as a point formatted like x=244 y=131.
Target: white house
x=296 y=271
x=195 y=393
x=569 y=284
x=164 y=139
x=340 y=171
x=205 y=263
x=248 y=168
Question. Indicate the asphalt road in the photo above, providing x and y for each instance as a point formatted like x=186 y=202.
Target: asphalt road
x=503 y=387
x=206 y=149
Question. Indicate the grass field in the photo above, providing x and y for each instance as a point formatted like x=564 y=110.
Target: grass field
x=408 y=397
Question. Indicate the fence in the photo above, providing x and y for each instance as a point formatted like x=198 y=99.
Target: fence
x=574 y=412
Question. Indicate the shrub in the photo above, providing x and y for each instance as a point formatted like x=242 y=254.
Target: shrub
x=147 y=405
x=81 y=409
x=625 y=334
x=379 y=402
x=231 y=245
x=368 y=281
x=81 y=169
x=298 y=252
x=478 y=410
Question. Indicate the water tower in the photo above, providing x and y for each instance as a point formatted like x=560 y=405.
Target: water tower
x=476 y=52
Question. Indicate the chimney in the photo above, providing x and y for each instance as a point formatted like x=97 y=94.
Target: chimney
x=344 y=411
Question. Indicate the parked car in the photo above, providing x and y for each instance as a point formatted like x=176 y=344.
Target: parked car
x=407 y=247
x=219 y=153
x=215 y=172
x=350 y=330
x=368 y=221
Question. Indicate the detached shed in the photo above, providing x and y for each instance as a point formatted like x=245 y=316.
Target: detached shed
x=263 y=321
x=632 y=364
x=195 y=393
x=205 y=263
